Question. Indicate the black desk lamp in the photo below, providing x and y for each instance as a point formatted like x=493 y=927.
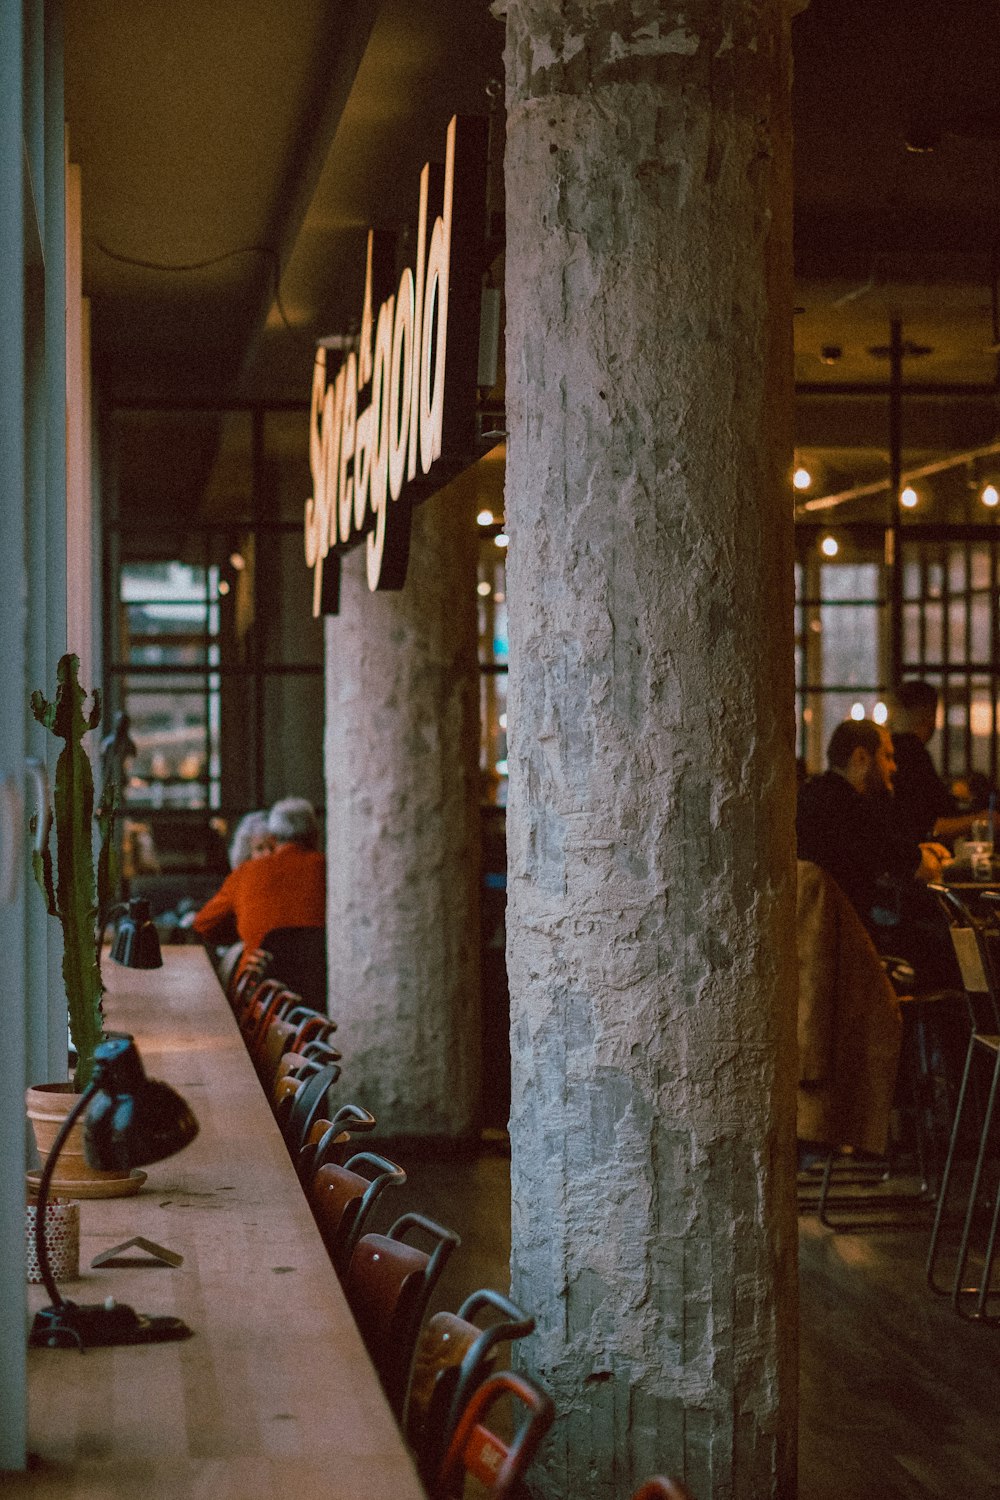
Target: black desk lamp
x=130 y=1120
x=136 y=942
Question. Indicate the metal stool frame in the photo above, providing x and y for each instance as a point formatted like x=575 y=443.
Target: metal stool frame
x=979 y=977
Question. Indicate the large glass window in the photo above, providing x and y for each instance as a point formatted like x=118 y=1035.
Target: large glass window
x=213 y=652
x=875 y=602
x=841 y=644
x=169 y=639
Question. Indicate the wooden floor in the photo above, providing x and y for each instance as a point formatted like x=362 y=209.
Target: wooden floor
x=899 y=1398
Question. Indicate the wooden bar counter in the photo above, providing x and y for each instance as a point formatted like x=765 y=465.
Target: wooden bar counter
x=275 y=1394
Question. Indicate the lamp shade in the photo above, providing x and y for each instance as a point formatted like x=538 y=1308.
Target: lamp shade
x=132 y=1120
x=137 y=943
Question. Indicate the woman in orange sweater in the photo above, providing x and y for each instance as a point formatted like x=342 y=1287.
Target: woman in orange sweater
x=286 y=888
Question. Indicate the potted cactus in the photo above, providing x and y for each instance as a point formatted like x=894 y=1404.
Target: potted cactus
x=78 y=893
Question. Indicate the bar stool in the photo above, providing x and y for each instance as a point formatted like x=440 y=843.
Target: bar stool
x=479 y=1450
x=660 y=1488
x=342 y=1198
x=914 y=1090
x=979 y=978
x=308 y=1103
x=330 y=1140
x=454 y=1355
x=387 y=1285
x=227 y=963
x=299 y=958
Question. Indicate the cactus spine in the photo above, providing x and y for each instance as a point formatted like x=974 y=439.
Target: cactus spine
x=75 y=893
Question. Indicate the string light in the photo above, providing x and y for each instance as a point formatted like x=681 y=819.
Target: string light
x=802 y=478
x=880 y=713
x=909 y=498
x=484 y=589
x=857 y=711
x=829 y=546
x=485 y=518
x=990 y=495
x=223 y=586
x=502 y=539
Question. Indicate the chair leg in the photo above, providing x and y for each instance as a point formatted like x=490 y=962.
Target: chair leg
x=963 y=1249
x=939 y=1212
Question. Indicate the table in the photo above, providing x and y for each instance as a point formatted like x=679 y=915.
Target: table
x=275 y=1393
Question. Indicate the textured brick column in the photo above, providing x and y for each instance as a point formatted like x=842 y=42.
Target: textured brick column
x=402 y=768
x=651 y=919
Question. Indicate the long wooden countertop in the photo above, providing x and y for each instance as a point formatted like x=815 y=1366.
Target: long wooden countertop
x=275 y=1394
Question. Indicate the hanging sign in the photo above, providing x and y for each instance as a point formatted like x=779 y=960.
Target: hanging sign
x=377 y=429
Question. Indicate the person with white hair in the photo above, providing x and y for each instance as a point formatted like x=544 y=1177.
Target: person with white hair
x=251 y=839
x=293 y=821
x=285 y=887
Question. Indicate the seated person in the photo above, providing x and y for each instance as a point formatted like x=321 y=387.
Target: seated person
x=251 y=839
x=285 y=887
x=845 y=825
x=923 y=804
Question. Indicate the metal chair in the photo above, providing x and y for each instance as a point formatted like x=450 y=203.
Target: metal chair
x=298 y=957
x=297 y=1111
x=867 y=1203
x=453 y=1356
x=477 y=1449
x=227 y=964
x=289 y=1026
x=659 y=1488
x=330 y=1140
x=978 y=975
x=387 y=1285
x=245 y=980
x=342 y=1198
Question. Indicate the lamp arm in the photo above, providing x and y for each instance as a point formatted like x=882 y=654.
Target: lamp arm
x=41 y=1250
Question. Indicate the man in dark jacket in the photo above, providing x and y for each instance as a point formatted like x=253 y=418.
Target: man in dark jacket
x=924 y=806
x=845 y=823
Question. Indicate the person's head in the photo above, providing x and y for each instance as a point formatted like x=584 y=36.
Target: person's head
x=914 y=708
x=862 y=753
x=293 y=821
x=250 y=840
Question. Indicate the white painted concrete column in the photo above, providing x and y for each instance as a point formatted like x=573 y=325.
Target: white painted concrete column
x=402 y=769
x=650 y=848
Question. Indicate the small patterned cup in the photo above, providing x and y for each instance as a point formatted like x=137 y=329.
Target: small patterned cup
x=62 y=1240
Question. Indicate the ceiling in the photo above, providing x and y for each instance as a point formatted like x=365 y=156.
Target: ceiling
x=234 y=154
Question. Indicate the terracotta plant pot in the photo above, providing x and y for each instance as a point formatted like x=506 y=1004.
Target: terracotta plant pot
x=48 y=1105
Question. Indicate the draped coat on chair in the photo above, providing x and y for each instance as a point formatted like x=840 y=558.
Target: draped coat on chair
x=849 y=1021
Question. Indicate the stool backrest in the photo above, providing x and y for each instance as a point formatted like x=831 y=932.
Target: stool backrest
x=659 y=1488
x=975 y=961
x=342 y=1198
x=388 y=1284
x=299 y=959
x=454 y=1355
x=478 y=1449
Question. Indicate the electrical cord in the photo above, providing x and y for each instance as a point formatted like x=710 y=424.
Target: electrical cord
x=183 y=267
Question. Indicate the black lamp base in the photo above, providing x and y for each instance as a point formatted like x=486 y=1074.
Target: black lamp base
x=91 y=1325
